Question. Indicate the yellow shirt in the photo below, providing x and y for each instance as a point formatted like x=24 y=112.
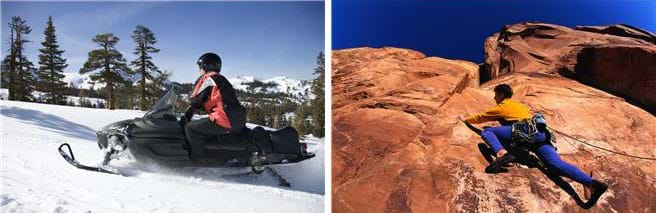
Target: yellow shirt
x=507 y=111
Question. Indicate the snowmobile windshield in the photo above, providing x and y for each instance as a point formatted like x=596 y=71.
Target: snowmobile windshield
x=165 y=106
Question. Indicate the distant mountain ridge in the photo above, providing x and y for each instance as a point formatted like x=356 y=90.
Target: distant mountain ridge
x=81 y=81
x=297 y=89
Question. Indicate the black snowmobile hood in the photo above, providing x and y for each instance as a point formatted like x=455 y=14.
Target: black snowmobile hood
x=101 y=134
x=165 y=108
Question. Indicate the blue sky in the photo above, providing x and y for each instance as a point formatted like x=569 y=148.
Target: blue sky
x=457 y=29
x=261 y=39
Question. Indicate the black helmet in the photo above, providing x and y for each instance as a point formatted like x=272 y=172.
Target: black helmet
x=209 y=62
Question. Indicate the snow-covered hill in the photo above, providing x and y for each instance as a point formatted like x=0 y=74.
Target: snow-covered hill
x=279 y=84
x=81 y=81
x=35 y=178
x=73 y=100
x=300 y=89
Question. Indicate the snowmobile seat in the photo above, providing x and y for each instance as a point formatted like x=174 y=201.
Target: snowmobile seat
x=285 y=140
x=261 y=137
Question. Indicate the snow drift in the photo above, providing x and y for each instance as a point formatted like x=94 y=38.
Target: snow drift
x=35 y=178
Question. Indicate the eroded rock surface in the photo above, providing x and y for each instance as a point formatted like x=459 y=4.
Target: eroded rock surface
x=398 y=147
x=619 y=59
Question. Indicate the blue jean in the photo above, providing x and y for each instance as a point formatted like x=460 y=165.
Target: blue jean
x=495 y=136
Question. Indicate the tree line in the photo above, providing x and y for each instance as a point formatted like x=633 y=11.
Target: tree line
x=308 y=115
x=106 y=64
x=140 y=82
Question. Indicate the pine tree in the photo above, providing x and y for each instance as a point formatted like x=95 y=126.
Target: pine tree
x=317 y=104
x=110 y=64
x=300 y=122
x=157 y=88
x=4 y=72
x=51 y=67
x=83 y=98
x=128 y=95
x=283 y=121
x=19 y=70
x=144 y=65
x=26 y=80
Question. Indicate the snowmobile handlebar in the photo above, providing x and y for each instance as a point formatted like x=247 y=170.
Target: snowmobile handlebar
x=189 y=113
x=186 y=117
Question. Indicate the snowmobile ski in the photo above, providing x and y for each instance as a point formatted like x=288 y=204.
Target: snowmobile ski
x=281 y=181
x=70 y=158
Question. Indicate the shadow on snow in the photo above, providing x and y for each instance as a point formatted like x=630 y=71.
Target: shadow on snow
x=50 y=122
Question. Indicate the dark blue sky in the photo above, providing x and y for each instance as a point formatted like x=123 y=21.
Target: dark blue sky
x=261 y=39
x=457 y=29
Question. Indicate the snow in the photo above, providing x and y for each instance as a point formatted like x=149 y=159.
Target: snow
x=35 y=178
x=298 y=88
x=81 y=81
x=4 y=94
x=70 y=99
x=284 y=84
x=76 y=100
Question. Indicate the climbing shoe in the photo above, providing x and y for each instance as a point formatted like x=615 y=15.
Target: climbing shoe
x=497 y=165
x=598 y=188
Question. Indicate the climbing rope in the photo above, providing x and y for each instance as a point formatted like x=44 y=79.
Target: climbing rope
x=598 y=147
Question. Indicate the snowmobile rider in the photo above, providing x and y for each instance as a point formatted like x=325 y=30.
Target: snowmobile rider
x=508 y=111
x=214 y=94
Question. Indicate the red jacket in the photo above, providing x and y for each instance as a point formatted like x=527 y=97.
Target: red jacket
x=207 y=93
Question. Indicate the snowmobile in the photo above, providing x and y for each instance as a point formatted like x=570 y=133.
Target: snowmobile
x=159 y=137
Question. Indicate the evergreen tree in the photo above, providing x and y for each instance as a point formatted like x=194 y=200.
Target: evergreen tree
x=144 y=39
x=110 y=64
x=257 y=116
x=19 y=70
x=128 y=98
x=300 y=122
x=317 y=104
x=82 y=98
x=282 y=121
x=51 y=67
x=158 y=87
x=24 y=80
x=4 y=72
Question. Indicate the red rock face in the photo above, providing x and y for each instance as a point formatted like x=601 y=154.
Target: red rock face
x=618 y=59
x=398 y=147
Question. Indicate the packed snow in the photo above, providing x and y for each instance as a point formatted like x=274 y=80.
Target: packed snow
x=35 y=178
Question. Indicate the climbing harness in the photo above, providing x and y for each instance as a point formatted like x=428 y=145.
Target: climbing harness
x=524 y=132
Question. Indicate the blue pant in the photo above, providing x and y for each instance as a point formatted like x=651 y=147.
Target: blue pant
x=495 y=136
